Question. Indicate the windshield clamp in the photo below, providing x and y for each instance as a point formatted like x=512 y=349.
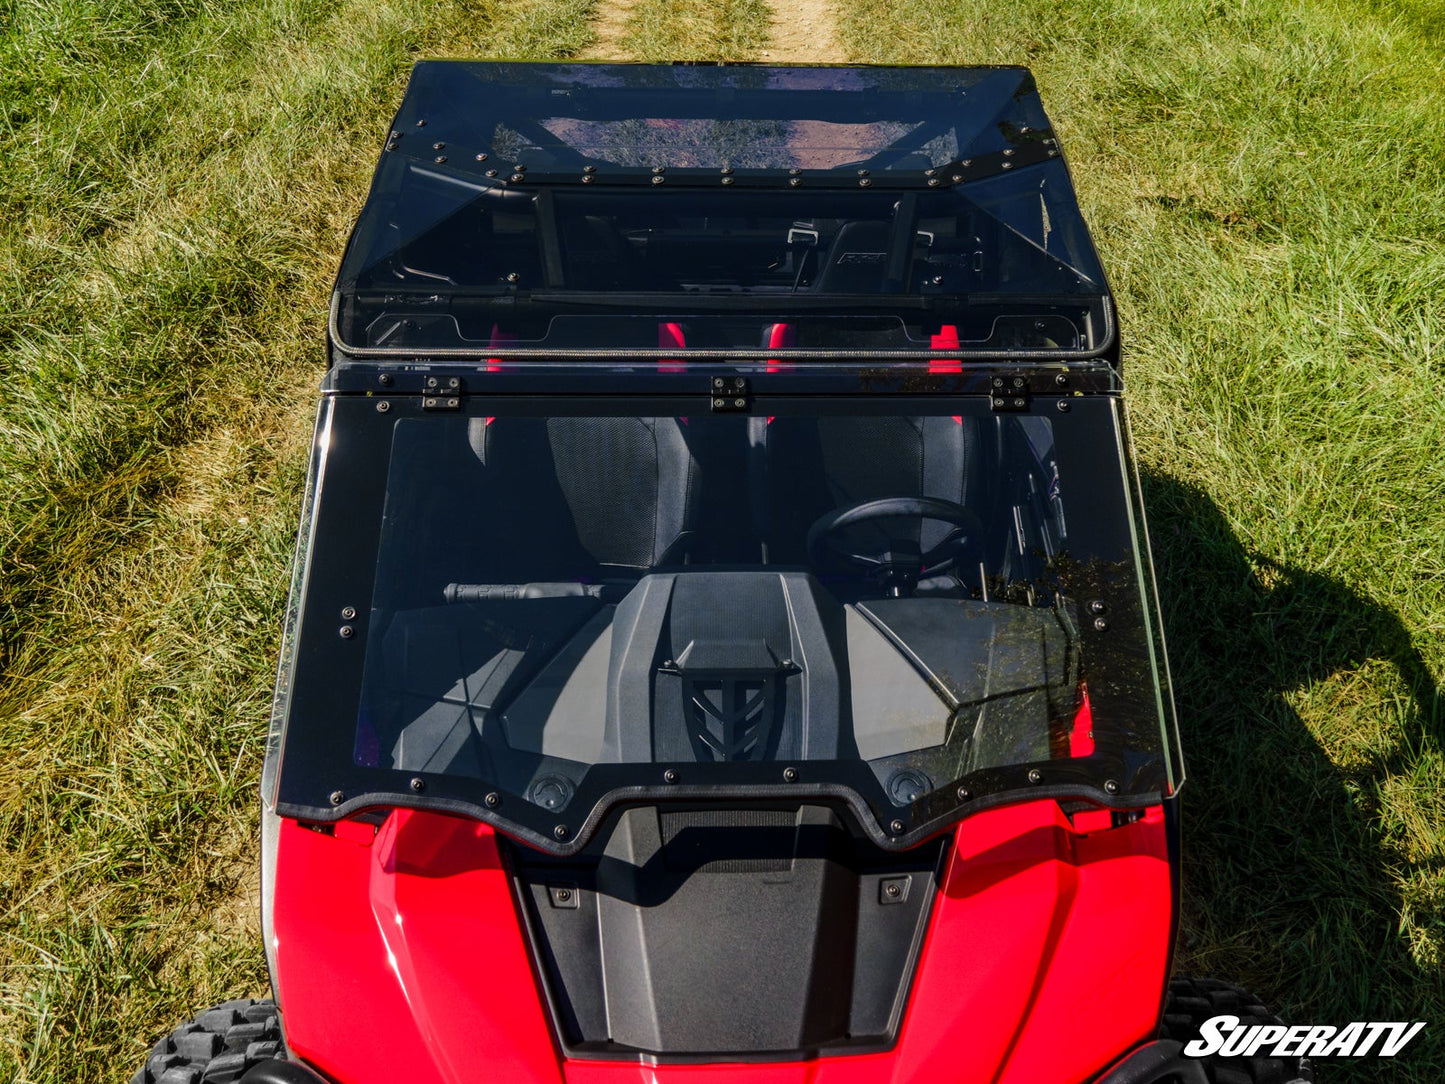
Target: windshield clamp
x=730 y=394
x=441 y=393
x=1009 y=393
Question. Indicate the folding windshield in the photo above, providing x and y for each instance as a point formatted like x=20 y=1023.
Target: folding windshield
x=556 y=611
x=520 y=207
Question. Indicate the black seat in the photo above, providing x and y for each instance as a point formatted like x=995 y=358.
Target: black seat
x=804 y=467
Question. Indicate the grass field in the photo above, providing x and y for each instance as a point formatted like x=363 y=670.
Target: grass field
x=1267 y=184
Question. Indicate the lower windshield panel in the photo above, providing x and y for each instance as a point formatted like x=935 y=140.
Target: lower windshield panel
x=719 y=590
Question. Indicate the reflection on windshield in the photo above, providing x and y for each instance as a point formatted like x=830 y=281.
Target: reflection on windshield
x=624 y=590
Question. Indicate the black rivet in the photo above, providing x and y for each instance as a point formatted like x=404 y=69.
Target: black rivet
x=897 y=827
x=347 y=632
x=560 y=832
x=1097 y=606
x=493 y=800
x=337 y=797
x=1111 y=786
x=1062 y=380
x=348 y=613
x=418 y=784
x=386 y=380
x=1101 y=624
x=1064 y=406
x=964 y=794
x=670 y=776
x=1035 y=776
x=790 y=775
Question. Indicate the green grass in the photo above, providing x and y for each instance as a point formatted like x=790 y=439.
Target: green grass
x=1267 y=185
x=179 y=179
x=1266 y=181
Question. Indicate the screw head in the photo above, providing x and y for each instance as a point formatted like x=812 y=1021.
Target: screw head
x=493 y=800
x=337 y=797
x=933 y=182
x=727 y=180
x=740 y=403
x=795 y=181
x=865 y=183
x=717 y=382
x=348 y=613
x=387 y=380
x=658 y=180
x=418 y=784
x=719 y=403
x=726 y=170
x=897 y=827
x=863 y=173
x=560 y=832
x=481 y=158
x=1064 y=406
x=589 y=169
x=670 y=776
x=513 y=276
x=964 y=794
x=1112 y=786
x=1035 y=776
x=790 y=775
x=382 y=407
x=892 y=889
x=1061 y=379
x=564 y=895
x=346 y=632
x=438 y=146
x=491 y=173
x=1101 y=624
x=516 y=177
x=1097 y=606
x=659 y=169
x=421 y=123
x=587 y=178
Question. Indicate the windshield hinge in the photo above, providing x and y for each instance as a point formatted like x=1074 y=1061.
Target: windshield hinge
x=730 y=394
x=441 y=393
x=1010 y=393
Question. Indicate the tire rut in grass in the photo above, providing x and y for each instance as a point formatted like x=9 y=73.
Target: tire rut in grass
x=804 y=32
x=611 y=29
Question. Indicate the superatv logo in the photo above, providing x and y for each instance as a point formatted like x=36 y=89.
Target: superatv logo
x=1223 y=1035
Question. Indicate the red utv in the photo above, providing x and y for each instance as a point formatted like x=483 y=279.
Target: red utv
x=723 y=642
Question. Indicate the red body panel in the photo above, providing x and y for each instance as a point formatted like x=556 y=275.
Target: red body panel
x=1044 y=961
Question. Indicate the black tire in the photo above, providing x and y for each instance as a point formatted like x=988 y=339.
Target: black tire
x=217 y=1047
x=1193 y=1001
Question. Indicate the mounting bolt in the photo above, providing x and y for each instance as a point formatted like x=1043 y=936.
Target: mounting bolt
x=347 y=632
x=560 y=832
x=481 y=158
x=795 y=181
x=589 y=169
x=670 y=776
x=795 y=172
x=1064 y=406
x=863 y=173
x=897 y=827
x=516 y=177
x=933 y=182
x=382 y=407
x=719 y=403
x=348 y=613
x=1112 y=786
x=564 y=895
x=587 y=178
x=893 y=889
x=1101 y=624
x=865 y=183
x=659 y=169
x=493 y=800
x=438 y=146
x=421 y=123
x=1061 y=379
x=717 y=382
x=418 y=784
x=740 y=403
x=337 y=797
x=513 y=276
x=964 y=794
x=386 y=380
x=790 y=775
x=658 y=180
x=1097 y=606
x=727 y=180
x=1035 y=776
x=439 y=159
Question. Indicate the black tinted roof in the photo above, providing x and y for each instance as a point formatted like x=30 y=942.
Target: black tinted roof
x=510 y=195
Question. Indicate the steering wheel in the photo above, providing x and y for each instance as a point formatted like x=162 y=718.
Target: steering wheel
x=903 y=563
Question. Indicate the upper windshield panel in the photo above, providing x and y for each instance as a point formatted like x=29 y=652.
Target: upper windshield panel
x=514 y=196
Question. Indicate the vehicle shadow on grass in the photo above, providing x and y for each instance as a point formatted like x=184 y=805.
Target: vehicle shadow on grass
x=1291 y=882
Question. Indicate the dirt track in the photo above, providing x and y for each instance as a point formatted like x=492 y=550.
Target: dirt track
x=804 y=33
